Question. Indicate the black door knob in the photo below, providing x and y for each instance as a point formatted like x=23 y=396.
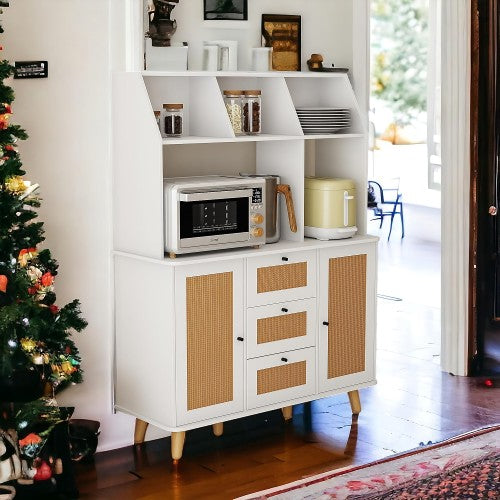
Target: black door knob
x=241 y=339
x=285 y=360
x=285 y=259
x=284 y=309
x=326 y=323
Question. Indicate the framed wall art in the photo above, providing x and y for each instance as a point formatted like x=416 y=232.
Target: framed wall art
x=225 y=10
x=283 y=34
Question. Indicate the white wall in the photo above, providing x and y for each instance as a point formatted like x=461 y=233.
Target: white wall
x=67 y=118
x=326 y=29
x=68 y=152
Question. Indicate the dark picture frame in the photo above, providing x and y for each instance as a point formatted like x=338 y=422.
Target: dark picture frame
x=284 y=34
x=225 y=10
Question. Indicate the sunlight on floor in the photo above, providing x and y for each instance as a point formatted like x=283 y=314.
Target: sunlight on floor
x=409 y=288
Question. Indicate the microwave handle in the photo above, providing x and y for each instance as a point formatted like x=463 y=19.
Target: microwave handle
x=216 y=195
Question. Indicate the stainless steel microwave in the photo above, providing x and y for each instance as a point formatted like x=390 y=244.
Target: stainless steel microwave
x=214 y=212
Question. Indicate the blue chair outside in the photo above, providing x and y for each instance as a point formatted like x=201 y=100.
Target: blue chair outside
x=388 y=203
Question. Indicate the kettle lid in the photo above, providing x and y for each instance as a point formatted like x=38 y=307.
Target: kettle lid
x=329 y=184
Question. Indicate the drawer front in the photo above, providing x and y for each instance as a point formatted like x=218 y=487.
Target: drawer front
x=281 y=277
x=281 y=327
x=281 y=377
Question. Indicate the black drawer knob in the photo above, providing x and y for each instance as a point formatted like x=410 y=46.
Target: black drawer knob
x=285 y=360
x=241 y=339
x=326 y=323
x=284 y=309
x=284 y=259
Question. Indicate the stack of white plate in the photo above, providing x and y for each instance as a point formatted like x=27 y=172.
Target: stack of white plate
x=324 y=120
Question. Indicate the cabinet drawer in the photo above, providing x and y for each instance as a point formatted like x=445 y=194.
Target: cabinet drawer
x=281 y=377
x=281 y=277
x=281 y=327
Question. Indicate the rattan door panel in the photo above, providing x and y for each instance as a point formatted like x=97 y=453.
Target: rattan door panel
x=281 y=327
x=271 y=379
x=209 y=355
x=281 y=277
x=347 y=340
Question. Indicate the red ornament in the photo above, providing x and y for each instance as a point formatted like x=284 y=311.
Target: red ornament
x=54 y=309
x=47 y=279
x=3 y=283
x=43 y=472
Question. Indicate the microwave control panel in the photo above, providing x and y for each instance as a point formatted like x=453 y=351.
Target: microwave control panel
x=256 y=214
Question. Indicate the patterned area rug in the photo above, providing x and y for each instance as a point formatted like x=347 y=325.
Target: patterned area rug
x=464 y=467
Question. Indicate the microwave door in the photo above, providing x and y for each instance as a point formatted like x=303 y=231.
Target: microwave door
x=213 y=220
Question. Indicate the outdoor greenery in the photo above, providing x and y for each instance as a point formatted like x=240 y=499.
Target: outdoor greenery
x=400 y=38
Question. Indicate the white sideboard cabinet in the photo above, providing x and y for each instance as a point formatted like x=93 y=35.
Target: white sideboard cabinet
x=206 y=338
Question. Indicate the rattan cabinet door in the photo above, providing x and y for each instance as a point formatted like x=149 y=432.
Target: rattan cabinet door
x=209 y=341
x=281 y=327
x=281 y=378
x=281 y=277
x=347 y=316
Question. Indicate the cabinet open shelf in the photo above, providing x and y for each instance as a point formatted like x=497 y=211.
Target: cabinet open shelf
x=209 y=146
x=246 y=74
x=253 y=138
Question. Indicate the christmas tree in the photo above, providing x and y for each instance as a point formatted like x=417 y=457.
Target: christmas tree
x=35 y=332
x=37 y=354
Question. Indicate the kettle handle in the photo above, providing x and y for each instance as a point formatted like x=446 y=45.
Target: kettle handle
x=285 y=190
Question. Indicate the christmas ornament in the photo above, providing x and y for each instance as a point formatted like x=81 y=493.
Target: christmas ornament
x=25 y=255
x=34 y=274
x=43 y=472
x=3 y=283
x=30 y=439
x=15 y=184
x=47 y=279
x=28 y=344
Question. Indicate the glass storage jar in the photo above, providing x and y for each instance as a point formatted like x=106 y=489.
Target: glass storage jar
x=232 y=100
x=172 y=120
x=252 y=112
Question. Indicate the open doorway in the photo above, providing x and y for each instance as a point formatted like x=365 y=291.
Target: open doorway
x=405 y=170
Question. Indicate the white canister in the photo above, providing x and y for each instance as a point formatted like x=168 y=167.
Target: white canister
x=211 y=58
x=262 y=59
x=228 y=54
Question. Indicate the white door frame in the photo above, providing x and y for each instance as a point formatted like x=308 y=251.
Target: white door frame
x=455 y=137
x=456 y=36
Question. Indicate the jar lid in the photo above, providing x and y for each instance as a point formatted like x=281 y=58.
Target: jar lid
x=233 y=92
x=252 y=92
x=173 y=106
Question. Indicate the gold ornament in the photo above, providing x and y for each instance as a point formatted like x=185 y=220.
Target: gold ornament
x=15 y=184
x=28 y=345
x=67 y=367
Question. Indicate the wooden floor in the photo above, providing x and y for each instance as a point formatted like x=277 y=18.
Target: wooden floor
x=412 y=404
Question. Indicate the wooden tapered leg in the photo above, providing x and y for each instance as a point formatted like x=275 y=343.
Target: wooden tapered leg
x=140 y=431
x=218 y=429
x=287 y=413
x=355 y=402
x=177 y=445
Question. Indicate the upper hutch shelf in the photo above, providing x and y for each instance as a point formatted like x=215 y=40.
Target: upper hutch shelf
x=255 y=138
x=246 y=74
